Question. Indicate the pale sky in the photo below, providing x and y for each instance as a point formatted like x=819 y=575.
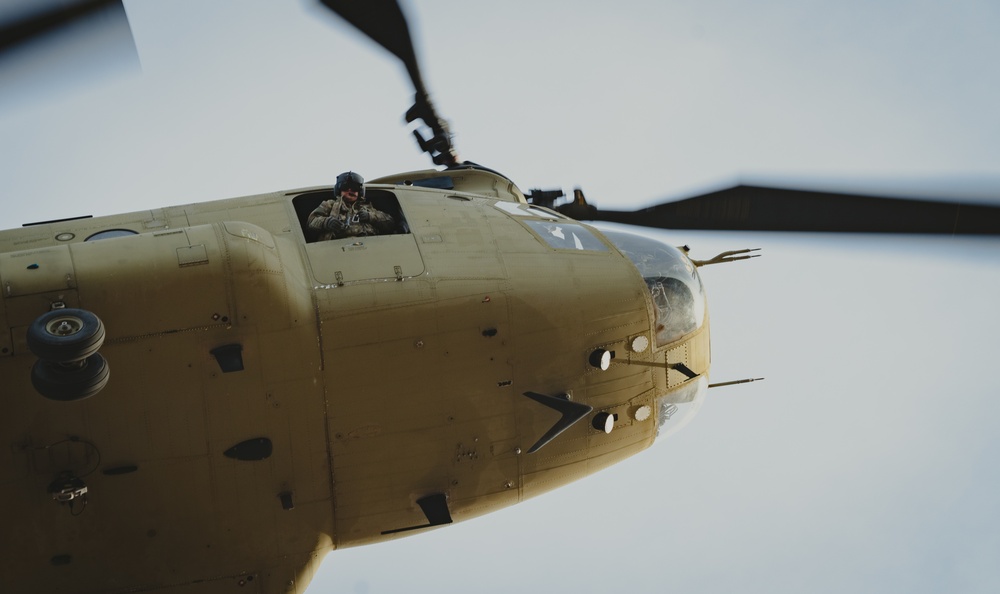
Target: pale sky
x=865 y=462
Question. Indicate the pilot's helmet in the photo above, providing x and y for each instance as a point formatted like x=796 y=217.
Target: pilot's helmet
x=348 y=180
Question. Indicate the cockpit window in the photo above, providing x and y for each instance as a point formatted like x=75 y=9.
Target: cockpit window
x=673 y=281
x=111 y=233
x=383 y=200
x=525 y=210
x=567 y=236
x=677 y=408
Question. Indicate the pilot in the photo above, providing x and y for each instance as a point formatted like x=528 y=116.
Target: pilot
x=349 y=214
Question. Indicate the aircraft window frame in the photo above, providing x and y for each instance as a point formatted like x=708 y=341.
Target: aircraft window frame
x=303 y=203
x=111 y=234
x=675 y=287
x=676 y=408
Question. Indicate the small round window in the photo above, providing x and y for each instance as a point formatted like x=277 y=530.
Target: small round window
x=108 y=234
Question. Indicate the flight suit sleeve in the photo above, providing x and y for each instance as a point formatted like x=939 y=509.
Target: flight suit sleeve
x=323 y=221
x=381 y=221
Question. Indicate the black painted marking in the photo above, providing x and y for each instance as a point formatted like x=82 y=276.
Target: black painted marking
x=229 y=356
x=435 y=508
x=117 y=470
x=58 y=221
x=571 y=413
x=251 y=450
x=286 y=500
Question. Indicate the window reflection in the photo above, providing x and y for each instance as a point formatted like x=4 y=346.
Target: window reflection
x=673 y=281
x=677 y=408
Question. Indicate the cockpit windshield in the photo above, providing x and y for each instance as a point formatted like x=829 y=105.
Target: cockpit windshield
x=677 y=408
x=673 y=281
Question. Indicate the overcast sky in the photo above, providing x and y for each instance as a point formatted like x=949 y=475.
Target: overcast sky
x=865 y=462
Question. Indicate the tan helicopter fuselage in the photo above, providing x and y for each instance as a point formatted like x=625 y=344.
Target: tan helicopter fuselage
x=379 y=371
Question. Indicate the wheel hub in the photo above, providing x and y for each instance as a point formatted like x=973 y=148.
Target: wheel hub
x=64 y=326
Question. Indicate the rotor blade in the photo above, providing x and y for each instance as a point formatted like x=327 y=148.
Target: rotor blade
x=384 y=23
x=757 y=208
x=48 y=47
x=23 y=20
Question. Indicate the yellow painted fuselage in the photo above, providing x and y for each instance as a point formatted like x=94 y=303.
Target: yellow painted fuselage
x=380 y=370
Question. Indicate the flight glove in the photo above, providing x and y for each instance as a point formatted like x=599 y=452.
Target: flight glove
x=336 y=225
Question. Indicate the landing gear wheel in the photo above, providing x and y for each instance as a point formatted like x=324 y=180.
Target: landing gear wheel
x=67 y=382
x=64 y=335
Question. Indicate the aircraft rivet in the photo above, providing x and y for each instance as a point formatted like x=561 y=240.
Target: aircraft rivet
x=508 y=485
x=215 y=317
x=517 y=451
x=419 y=344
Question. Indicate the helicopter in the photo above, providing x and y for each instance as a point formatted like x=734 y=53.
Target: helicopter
x=94 y=399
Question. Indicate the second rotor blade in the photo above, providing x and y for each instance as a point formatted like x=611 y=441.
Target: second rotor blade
x=383 y=21
x=756 y=208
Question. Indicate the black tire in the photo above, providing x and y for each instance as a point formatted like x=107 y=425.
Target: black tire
x=64 y=335
x=70 y=382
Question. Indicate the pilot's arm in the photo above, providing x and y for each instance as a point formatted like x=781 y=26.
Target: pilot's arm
x=380 y=221
x=324 y=221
